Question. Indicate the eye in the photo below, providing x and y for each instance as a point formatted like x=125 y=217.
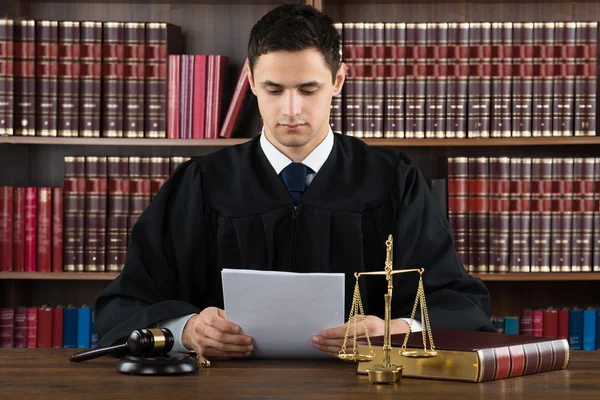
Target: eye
x=274 y=92
x=308 y=92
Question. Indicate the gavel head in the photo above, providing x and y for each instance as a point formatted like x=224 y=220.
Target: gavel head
x=150 y=341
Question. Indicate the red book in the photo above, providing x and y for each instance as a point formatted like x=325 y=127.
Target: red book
x=57 y=327
x=174 y=103
x=133 y=80
x=538 y=323
x=24 y=78
x=526 y=322
x=44 y=230
x=32 y=318
x=57 y=229
x=46 y=72
x=458 y=205
x=19 y=229
x=6 y=228
x=7 y=328
x=20 y=333
x=112 y=79
x=488 y=355
x=199 y=92
x=44 y=328
x=214 y=89
x=6 y=76
x=550 y=323
x=563 y=323
x=30 y=229
x=67 y=123
x=241 y=90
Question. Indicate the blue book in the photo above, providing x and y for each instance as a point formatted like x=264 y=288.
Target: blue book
x=84 y=323
x=589 y=329
x=93 y=334
x=576 y=329
x=498 y=324
x=69 y=327
x=511 y=325
x=597 y=330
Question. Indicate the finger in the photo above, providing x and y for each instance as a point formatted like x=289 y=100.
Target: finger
x=329 y=349
x=221 y=324
x=329 y=342
x=207 y=342
x=211 y=352
x=224 y=337
x=340 y=331
x=221 y=313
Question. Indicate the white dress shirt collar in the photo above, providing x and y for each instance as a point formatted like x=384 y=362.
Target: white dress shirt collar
x=314 y=160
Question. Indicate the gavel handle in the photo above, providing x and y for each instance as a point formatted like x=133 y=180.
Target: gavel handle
x=89 y=354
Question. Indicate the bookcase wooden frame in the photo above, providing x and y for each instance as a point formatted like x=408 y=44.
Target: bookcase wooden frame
x=222 y=27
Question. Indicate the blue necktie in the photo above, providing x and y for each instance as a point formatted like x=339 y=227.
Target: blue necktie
x=294 y=177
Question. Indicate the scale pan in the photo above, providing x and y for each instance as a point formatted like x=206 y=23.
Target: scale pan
x=419 y=353
x=355 y=357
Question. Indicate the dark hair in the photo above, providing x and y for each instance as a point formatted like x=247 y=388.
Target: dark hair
x=295 y=27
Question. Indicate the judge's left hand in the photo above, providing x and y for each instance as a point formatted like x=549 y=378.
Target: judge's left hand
x=330 y=341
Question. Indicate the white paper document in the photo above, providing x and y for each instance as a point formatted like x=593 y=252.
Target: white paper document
x=281 y=311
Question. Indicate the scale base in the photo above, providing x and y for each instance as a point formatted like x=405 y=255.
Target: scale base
x=385 y=374
x=176 y=364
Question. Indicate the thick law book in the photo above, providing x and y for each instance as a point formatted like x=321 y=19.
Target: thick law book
x=474 y=356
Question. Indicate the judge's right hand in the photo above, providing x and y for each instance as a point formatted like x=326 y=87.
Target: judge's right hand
x=210 y=335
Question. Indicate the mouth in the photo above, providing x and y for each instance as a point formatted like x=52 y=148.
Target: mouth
x=294 y=126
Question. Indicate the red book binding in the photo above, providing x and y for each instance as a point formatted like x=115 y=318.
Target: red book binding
x=44 y=229
x=32 y=319
x=57 y=327
x=6 y=228
x=44 y=328
x=7 y=328
x=241 y=89
x=30 y=229
x=57 y=229
x=19 y=229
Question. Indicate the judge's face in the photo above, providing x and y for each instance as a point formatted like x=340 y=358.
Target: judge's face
x=294 y=91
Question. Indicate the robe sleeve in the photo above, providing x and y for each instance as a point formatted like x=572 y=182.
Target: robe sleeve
x=165 y=265
x=424 y=239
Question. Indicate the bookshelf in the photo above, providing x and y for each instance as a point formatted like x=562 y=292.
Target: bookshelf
x=222 y=28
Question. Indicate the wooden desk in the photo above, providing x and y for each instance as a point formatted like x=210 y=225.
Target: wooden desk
x=29 y=373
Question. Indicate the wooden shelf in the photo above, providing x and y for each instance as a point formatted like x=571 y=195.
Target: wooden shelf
x=540 y=276
x=108 y=276
x=67 y=276
x=81 y=141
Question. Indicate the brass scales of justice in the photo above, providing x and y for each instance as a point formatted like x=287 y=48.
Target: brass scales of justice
x=386 y=372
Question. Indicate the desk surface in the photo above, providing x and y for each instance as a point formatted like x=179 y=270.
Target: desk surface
x=29 y=373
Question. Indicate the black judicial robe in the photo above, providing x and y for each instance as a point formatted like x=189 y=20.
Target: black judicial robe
x=229 y=209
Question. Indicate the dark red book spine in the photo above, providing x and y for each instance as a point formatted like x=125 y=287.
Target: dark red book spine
x=583 y=215
x=564 y=79
x=501 y=79
x=159 y=173
x=436 y=71
x=586 y=52
x=6 y=228
x=32 y=333
x=239 y=95
x=68 y=78
x=6 y=76
x=520 y=215
x=57 y=327
x=44 y=229
x=112 y=79
x=199 y=101
x=499 y=222
x=186 y=114
x=7 y=328
x=117 y=213
x=133 y=79
x=57 y=229
x=596 y=240
x=19 y=229
x=139 y=188
x=214 y=94
x=458 y=80
x=480 y=35
x=46 y=62
x=74 y=214
x=538 y=323
x=44 y=328
x=563 y=323
x=542 y=83
x=174 y=98
x=562 y=214
x=458 y=206
x=162 y=39
x=90 y=82
x=416 y=80
x=550 y=323
x=20 y=333
x=95 y=214
x=522 y=91
x=541 y=214
x=394 y=81
x=479 y=175
x=526 y=322
x=30 y=229
x=24 y=78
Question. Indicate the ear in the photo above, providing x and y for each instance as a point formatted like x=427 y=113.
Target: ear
x=250 y=79
x=340 y=78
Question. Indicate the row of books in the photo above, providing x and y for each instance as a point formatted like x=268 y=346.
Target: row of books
x=106 y=79
x=581 y=327
x=515 y=214
x=468 y=79
x=84 y=225
x=48 y=327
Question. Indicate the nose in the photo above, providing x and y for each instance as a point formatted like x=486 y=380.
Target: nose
x=293 y=104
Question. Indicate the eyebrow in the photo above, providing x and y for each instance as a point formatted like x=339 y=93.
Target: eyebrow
x=312 y=83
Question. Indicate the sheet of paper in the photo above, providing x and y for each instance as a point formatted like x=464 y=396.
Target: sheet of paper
x=282 y=310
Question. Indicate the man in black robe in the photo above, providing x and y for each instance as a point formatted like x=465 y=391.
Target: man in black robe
x=297 y=198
